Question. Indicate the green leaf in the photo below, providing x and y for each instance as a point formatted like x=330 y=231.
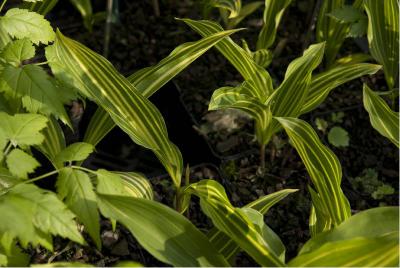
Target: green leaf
x=323 y=167
x=233 y=6
x=37 y=90
x=136 y=185
x=20 y=163
x=85 y=8
x=356 y=252
x=22 y=129
x=238 y=57
x=33 y=1
x=76 y=189
x=18 y=51
x=338 y=137
x=323 y=83
x=32 y=214
x=232 y=221
x=330 y=29
x=383 y=36
x=225 y=245
x=163 y=232
x=382 y=118
x=54 y=141
x=128 y=108
x=4 y=38
x=273 y=12
x=109 y=183
x=43 y=7
x=358 y=29
x=347 y=14
x=77 y=151
x=21 y=23
x=288 y=99
x=245 y=11
x=100 y=124
x=11 y=254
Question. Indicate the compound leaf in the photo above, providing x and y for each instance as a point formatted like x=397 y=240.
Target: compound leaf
x=77 y=151
x=18 y=51
x=20 y=163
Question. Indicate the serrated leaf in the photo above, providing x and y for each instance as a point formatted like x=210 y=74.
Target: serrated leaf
x=382 y=118
x=4 y=38
x=21 y=164
x=18 y=51
x=166 y=234
x=21 y=23
x=22 y=129
x=11 y=255
x=34 y=86
x=32 y=215
x=347 y=14
x=77 y=151
x=75 y=187
x=338 y=137
x=109 y=183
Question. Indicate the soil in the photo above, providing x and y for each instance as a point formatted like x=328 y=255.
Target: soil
x=230 y=152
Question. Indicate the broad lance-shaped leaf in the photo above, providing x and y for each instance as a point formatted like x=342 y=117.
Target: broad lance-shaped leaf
x=383 y=36
x=232 y=221
x=368 y=238
x=225 y=245
x=163 y=232
x=240 y=98
x=273 y=12
x=323 y=167
x=382 y=118
x=21 y=23
x=148 y=80
x=76 y=189
x=245 y=11
x=36 y=88
x=238 y=57
x=357 y=252
x=138 y=117
x=18 y=51
x=322 y=84
x=136 y=185
x=20 y=163
x=287 y=100
x=32 y=215
x=54 y=141
x=22 y=129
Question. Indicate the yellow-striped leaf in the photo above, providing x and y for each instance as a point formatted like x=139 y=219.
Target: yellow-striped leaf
x=383 y=35
x=382 y=118
x=322 y=84
x=323 y=167
x=225 y=245
x=232 y=221
x=42 y=7
x=148 y=80
x=136 y=185
x=137 y=116
x=166 y=234
x=245 y=11
x=273 y=12
x=233 y=6
x=238 y=57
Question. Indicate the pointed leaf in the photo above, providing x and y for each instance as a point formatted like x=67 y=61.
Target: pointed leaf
x=34 y=86
x=77 y=151
x=233 y=6
x=273 y=12
x=76 y=189
x=163 y=232
x=322 y=165
x=383 y=36
x=136 y=185
x=22 y=129
x=382 y=118
x=21 y=23
x=322 y=84
x=18 y=51
x=20 y=164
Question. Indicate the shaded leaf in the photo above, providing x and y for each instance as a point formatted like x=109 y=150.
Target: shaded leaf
x=18 y=51
x=338 y=137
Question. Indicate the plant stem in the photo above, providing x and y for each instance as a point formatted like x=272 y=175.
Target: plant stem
x=84 y=169
x=8 y=148
x=42 y=176
x=2 y=5
x=41 y=63
x=262 y=156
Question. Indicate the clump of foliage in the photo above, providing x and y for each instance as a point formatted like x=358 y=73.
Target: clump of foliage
x=32 y=111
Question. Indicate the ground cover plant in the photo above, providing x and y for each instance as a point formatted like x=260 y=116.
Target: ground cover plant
x=59 y=209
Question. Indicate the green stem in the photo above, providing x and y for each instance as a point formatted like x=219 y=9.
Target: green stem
x=8 y=148
x=84 y=169
x=42 y=176
x=41 y=63
x=2 y=5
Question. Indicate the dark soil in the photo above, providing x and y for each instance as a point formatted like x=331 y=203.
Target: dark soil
x=141 y=39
